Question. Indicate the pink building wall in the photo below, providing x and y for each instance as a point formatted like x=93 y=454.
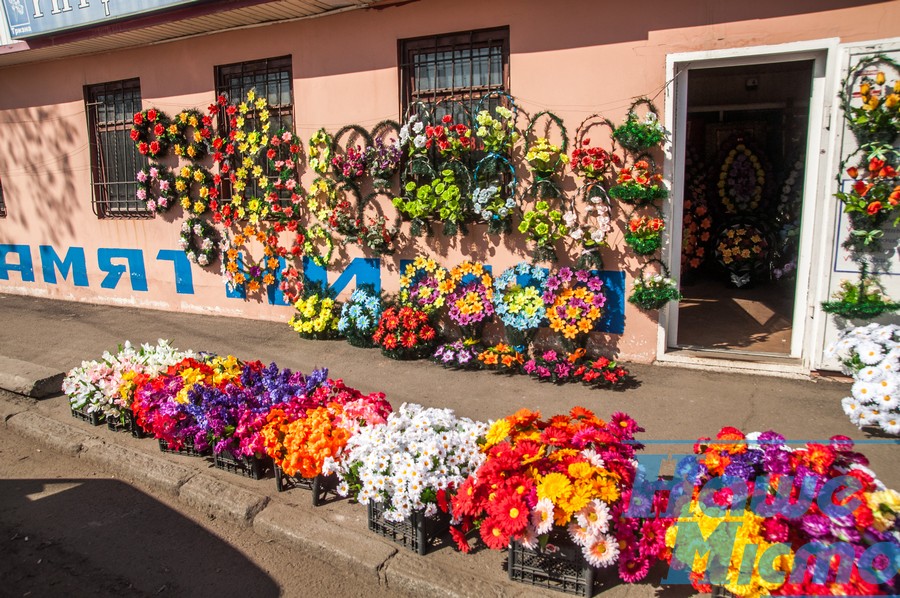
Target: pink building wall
x=574 y=58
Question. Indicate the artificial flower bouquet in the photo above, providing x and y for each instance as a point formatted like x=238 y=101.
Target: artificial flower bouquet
x=375 y=234
x=877 y=118
x=470 y=303
x=425 y=285
x=544 y=226
x=441 y=199
x=405 y=333
x=491 y=206
x=317 y=314
x=544 y=157
x=451 y=140
x=639 y=135
x=411 y=462
x=742 y=250
x=638 y=185
x=652 y=291
x=785 y=503
x=555 y=366
x=383 y=161
x=644 y=234
x=502 y=357
x=461 y=354
x=592 y=163
x=351 y=165
x=871 y=200
x=871 y=354
x=359 y=317
x=107 y=385
x=570 y=474
x=497 y=134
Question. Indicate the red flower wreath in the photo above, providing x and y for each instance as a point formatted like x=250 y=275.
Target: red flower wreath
x=149 y=132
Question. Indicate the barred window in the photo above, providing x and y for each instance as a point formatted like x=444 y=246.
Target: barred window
x=457 y=66
x=272 y=78
x=115 y=161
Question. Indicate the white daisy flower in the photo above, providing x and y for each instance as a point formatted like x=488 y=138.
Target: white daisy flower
x=603 y=552
x=582 y=536
x=869 y=417
x=870 y=352
x=542 y=516
x=890 y=423
x=852 y=409
x=870 y=373
x=865 y=392
x=595 y=516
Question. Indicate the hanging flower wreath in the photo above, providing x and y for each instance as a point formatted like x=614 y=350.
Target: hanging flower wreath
x=291 y=285
x=644 y=234
x=520 y=305
x=322 y=198
x=697 y=222
x=876 y=119
x=309 y=245
x=494 y=198
x=637 y=135
x=742 y=180
x=238 y=269
x=195 y=146
x=497 y=134
x=156 y=187
x=638 y=185
x=146 y=123
x=543 y=157
x=374 y=232
x=653 y=291
x=199 y=241
x=574 y=302
x=319 y=152
x=412 y=135
x=195 y=177
x=425 y=285
x=383 y=161
x=545 y=226
x=284 y=153
x=590 y=233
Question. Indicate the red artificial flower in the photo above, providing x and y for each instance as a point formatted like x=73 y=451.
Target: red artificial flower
x=409 y=340
x=143 y=148
x=446 y=118
x=493 y=535
x=460 y=538
x=270 y=154
x=853 y=171
x=158 y=130
x=151 y=115
x=138 y=118
x=510 y=513
x=874 y=208
x=154 y=147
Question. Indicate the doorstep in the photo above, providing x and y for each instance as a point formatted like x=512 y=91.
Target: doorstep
x=767 y=364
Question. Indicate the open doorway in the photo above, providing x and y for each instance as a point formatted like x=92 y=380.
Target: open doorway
x=745 y=140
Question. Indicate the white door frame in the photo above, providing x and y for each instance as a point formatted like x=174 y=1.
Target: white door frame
x=810 y=268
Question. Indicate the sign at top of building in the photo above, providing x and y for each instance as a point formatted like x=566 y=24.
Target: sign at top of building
x=30 y=18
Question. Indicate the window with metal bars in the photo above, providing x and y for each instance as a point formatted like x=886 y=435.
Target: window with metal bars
x=115 y=161
x=455 y=70
x=272 y=78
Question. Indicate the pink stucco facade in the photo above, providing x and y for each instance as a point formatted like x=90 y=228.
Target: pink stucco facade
x=574 y=58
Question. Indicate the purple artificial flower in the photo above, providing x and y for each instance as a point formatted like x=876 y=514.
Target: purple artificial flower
x=816 y=526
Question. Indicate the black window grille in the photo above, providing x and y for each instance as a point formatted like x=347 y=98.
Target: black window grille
x=462 y=67
x=272 y=78
x=2 y=202
x=115 y=160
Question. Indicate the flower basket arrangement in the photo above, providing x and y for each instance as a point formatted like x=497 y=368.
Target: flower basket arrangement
x=557 y=565
x=592 y=163
x=596 y=224
x=544 y=158
x=555 y=366
x=871 y=201
x=409 y=464
x=359 y=317
x=639 y=135
x=373 y=232
x=350 y=165
x=644 y=234
x=252 y=467
x=451 y=140
x=876 y=118
x=570 y=475
x=862 y=300
x=441 y=198
x=861 y=514
x=653 y=291
x=871 y=354
x=496 y=133
x=544 y=226
x=518 y=301
x=383 y=161
x=405 y=333
x=574 y=301
x=638 y=185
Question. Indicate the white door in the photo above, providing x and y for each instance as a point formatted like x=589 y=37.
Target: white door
x=834 y=223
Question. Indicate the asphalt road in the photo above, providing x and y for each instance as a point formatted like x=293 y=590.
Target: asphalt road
x=69 y=529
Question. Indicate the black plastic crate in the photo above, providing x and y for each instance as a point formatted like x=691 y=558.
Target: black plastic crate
x=561 y=566
x=320 y=486
x=94 y=418
x=417 y=532
x=125 y=423
x=186 y=449
x=254 y=468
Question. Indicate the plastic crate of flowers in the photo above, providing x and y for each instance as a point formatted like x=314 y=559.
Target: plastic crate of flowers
x=561 y=483
x=302 y=435
x=406 y=467
x=359 y=317
x=405 y=333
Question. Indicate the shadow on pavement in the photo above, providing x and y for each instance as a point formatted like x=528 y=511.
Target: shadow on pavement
x=101 y=537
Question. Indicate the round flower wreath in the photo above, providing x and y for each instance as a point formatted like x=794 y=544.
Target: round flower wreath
x=574 y=301
x=198 y=240
x=322 y=198
x=253 y=276
x=156 y=187
x=151 y=121
x=425 y=285
x=471 y=300
x=307 y=243
x=742 y=179
x=196 y=146
x=520 y=306
x=206 y=190
x=320 y=151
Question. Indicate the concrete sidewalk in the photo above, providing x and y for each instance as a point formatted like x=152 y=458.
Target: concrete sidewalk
x=675 y=407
